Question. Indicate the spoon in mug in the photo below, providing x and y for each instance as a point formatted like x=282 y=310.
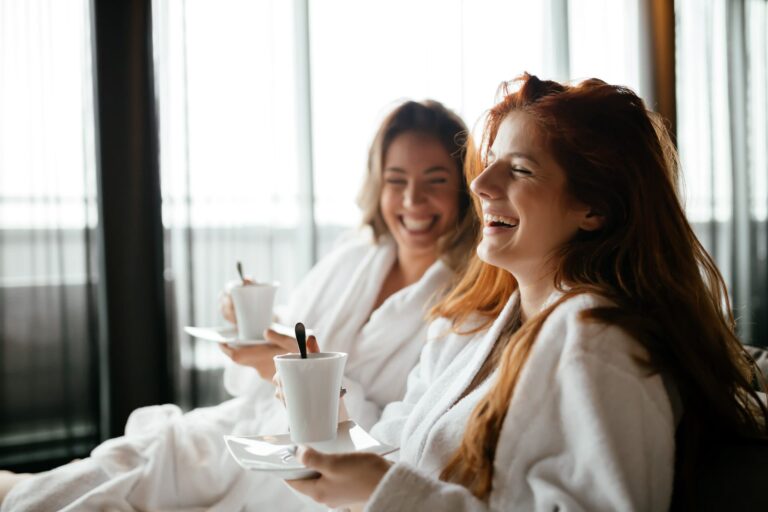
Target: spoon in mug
x=301 y=339
x=240 y=272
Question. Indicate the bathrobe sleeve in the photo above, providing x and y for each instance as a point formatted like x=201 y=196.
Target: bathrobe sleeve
x=599 y=437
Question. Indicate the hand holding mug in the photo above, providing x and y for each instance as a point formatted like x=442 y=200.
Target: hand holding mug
x=261 y=357
x=345 y=478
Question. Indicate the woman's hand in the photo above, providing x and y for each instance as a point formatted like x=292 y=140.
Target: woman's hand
x=344 y=478
x=261 y=357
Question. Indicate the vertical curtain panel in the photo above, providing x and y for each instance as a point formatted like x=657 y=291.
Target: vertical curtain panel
x=722 y=95
x=48 y=216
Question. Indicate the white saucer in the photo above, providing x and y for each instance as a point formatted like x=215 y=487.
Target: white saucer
x=228 y=334
x=222 y=334
x=274 y=454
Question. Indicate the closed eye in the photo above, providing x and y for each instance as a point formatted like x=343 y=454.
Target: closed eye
x=521 y=171
x=437 y=181
x=395 y=181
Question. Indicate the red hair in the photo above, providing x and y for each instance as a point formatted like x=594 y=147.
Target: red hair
x=668 y=294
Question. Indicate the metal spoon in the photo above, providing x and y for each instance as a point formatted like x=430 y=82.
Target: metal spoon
x=301 y=339
x=240 y=271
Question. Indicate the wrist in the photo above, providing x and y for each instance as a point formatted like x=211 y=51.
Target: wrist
x=379 y=470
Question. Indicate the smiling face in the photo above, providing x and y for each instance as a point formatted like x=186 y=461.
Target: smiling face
x=420 y=192
x=527 y=213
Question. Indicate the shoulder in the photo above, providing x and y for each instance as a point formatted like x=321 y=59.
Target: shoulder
x=353 y=244
x=445 y=344
x=347 y=253
x=443 y=330
x=571 y=332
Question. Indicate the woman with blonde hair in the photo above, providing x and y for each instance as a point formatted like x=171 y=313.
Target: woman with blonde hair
x=368 y=297
x=589 y=351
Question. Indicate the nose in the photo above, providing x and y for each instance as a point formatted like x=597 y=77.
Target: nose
x=486 y=185
x=414 y=194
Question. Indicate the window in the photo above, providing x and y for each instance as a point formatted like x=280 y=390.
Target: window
x=231 y=119
x=48 y=216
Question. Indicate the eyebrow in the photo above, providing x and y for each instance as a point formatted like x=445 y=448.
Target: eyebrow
x=437 y=168
x=517 y=154
x=525 y=156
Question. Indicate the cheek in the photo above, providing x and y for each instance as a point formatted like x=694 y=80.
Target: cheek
x=552 y=223
x=388 y=203
x=447 y=203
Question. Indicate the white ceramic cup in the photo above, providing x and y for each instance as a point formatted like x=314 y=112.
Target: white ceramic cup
x=253 y=309
x=311 y=391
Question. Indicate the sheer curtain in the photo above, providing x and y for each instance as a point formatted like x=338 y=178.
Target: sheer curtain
x=455 y=51
x=48 y=214
x=722 y=90
x=230 y=180
x=230 y=78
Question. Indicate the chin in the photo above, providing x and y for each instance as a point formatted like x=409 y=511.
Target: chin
x=419 y=246
x=492 y=256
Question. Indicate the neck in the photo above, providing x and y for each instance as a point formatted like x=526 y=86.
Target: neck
x=534 y=293
x=412 y=265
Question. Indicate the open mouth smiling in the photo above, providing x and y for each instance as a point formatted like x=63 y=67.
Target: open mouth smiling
x=420 y=225
x=498 y=221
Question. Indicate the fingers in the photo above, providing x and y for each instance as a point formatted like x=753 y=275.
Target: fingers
x=245 y=355
x=286 y=343
x=226 y=349
x=308 y=487
x=314 y=459
x=344 y=478
x=258 y=357
x=227 y=308
x=278 y=388
x=312 y=345
x=327 y=463
x=226 y=305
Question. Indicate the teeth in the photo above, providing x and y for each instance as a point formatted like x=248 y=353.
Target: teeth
x=417 y=224
x=497 y=218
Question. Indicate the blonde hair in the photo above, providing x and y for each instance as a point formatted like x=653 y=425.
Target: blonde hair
x=429 y=118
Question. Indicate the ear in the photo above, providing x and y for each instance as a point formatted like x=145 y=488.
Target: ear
x=591 y=221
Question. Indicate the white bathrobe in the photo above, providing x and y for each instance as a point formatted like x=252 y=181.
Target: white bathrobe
x=588 y=428
x=173 y=461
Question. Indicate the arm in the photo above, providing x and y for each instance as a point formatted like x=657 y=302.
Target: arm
x=404 y=487
x=610 y=444
x=347 y=479
x=602 y=439
x=585 y=432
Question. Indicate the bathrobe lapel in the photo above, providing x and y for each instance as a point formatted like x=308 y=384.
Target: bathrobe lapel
x=450 y=385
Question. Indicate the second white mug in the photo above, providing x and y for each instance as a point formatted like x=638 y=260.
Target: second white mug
x=253 y=308
x=311 y=391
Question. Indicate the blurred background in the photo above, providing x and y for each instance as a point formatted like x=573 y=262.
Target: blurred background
x=146 y=146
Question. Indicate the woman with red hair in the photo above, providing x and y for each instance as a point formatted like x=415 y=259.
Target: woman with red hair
x=589 y=350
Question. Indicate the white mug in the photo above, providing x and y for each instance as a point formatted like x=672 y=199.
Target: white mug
x=253 y=309
x=311 y=389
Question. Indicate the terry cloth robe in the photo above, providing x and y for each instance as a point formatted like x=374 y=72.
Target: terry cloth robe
x=168 y=460
x=588 y=428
